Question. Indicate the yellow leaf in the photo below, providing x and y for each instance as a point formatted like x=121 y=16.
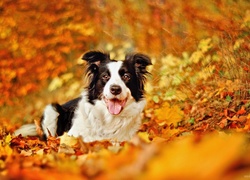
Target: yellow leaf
x=169 y=114
x=5 y=148
x=66 y=149
x=55 y=84
x=8 y=138
x=205 y=45
x=144 y=136
x=238 y=43
x=196 y=57
x=66 y=77
x=40 y=152
x=68 y=140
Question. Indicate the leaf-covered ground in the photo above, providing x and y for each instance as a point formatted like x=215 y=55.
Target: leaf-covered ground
x=191 y=156
x=190 y=131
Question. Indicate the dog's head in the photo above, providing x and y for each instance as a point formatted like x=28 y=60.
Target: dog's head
x=115 y=82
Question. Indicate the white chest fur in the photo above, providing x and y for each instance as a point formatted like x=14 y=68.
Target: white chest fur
x=94 y=122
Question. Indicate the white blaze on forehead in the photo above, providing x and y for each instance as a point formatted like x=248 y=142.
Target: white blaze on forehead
x=115 y=79
x=115 y=103
x=114 y=68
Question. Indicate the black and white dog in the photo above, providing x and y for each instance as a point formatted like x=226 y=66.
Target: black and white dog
x=109 y=108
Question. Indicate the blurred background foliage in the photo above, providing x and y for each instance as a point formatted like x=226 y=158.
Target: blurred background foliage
x=199 y=83
x=199 y=49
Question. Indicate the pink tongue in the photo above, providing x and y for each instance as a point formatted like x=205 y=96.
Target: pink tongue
x=115 y=106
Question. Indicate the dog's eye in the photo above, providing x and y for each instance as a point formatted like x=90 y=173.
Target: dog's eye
x=126 y=77
x=105 y=77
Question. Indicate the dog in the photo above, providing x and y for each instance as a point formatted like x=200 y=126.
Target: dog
x=109 y=108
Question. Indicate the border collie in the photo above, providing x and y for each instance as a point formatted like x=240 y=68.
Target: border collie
x=108 y=109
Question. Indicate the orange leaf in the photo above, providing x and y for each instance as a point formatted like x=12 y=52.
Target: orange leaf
x=241 y=111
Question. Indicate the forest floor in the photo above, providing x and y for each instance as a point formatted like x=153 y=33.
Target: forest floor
x=203 y=137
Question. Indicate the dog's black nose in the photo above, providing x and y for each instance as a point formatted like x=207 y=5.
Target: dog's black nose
x=115 y=89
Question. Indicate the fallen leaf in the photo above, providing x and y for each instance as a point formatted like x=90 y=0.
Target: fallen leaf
x=168 y=114
x=241 y=111
x=63 y=148
x=68 y=140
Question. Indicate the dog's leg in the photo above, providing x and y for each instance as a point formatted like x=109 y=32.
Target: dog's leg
x=57 y=118
x=49 y=120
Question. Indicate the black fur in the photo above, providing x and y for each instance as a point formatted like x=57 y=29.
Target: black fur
x=66 y=113
x=134 y=64
x=95 y=59
x=95 y=56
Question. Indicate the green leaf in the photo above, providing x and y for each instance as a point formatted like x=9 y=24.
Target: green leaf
x=221 y=73
x=228 y=98
x=156 y=99
x=191 y=121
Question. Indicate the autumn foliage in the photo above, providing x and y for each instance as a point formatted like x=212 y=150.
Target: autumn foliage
x=197 y=120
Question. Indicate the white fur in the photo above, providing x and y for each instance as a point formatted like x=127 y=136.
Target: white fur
x=115 y=79
x=94 y=122
x=49 y=124
x=26 y=130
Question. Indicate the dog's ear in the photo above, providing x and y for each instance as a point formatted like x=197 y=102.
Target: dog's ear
x=95 y=57
x=140 y=61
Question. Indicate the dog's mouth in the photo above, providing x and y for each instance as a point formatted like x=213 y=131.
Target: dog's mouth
x=115 y=106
